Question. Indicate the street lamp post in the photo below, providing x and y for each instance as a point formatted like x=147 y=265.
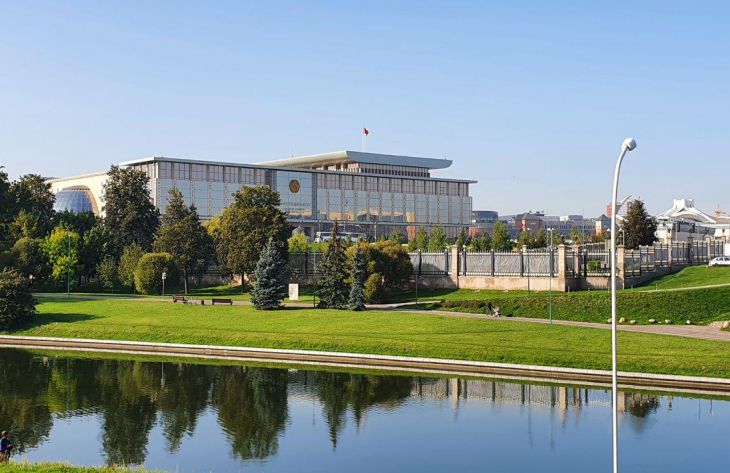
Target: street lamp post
x=628 y=145
x=68 y=270
x=551 y=269
x=164 y=276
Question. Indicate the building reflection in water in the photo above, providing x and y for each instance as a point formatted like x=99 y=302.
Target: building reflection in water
x=251 y=404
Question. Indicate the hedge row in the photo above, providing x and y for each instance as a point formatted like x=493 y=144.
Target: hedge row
x=698 y=305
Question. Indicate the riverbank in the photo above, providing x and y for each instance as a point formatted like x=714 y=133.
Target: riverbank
x=45 y=467
x=381 y=333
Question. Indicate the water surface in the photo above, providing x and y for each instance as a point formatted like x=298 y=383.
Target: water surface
x=200 y=418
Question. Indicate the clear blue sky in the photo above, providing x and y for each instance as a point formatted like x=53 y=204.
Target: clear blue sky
x=530 y=98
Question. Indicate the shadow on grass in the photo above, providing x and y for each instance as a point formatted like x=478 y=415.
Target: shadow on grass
x=45 y=319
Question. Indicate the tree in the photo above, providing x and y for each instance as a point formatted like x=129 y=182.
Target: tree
x=6 y=204
x=481 y=243
x=107 y=273
x=96 y=244
x=61 y=248
x=332 y=285
x=128 y=263
x=30 y=259
x=16 y=300
x=639 y=227
x=524 y=239
x=80 y=222
x=182 y=236
x=397 y=237
x=463 y=239
x=33 y=195
x=500 y=238
x=576 y=236
x=130 y=215
x=357 y=280
x=27 y=225
x=271 y=277
x=420 y=242
x=298 y=243
x=246 y=226
x=148 y=273
x=437 y=242
x=540 y=240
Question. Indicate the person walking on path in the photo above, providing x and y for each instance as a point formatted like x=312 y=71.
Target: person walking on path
x=5 y=447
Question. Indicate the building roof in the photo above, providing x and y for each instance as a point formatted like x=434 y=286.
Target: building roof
x=684 y=209
x=343 y=157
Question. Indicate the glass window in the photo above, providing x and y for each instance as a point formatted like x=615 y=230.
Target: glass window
x=395 y=185
x=453 y=188
x=443 y=188
x=165 y=170
x=231 y=174
x=198 y=172
x=321 y=181
x=182 y=171
x=346 y=182
x=358 y=183
x=260 y=177
x=215 y=173
x=430 y=187
x=420 y=187
x=247 y=176
x=372 y=183
x=332 y=181
x=408 y=186
x=383 y=184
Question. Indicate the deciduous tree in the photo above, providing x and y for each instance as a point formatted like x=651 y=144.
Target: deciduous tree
x=246 y=226
x=500 y=238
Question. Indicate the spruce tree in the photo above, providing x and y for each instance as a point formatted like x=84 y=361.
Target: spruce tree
x=270 y=286
x=358 y=276
x=638 y=226
x=333 y=288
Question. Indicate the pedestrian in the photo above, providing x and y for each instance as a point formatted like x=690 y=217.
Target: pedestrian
x=490 y=308
x=5 y=447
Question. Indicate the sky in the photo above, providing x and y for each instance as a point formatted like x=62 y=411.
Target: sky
x=530 y=98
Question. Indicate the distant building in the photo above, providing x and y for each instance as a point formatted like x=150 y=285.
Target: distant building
x=684 y=221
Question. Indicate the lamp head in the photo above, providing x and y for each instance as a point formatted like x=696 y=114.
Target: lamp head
x=629 y=144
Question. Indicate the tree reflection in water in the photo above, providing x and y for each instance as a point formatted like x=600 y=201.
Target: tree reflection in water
x=251 y=404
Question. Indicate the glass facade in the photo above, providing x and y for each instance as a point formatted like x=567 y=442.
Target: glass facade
x=314 y=199
x=74 y=200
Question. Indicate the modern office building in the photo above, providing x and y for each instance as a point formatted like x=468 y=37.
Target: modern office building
x=374 y=194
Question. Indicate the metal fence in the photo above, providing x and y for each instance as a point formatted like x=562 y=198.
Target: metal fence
x=591 y=260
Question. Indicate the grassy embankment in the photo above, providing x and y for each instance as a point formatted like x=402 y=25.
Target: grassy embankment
x=44 y=467
x=392 y=333
x=680 y=298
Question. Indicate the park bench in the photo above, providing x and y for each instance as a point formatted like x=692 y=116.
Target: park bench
x=221 y=301
x=179 y=299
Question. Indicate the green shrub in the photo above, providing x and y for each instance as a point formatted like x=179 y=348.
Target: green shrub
x=148 y=273
x=594 y=266
x=374 y=290
x=128 y=263
x=17 y=304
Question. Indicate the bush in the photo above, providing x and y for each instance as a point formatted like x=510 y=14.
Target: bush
x=17 y=304
x=148 y=273
x=374 y=290
x=29 y=258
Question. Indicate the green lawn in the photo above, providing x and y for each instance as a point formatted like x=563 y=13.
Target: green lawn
x=394 y=333
x=43 y=467
x=692 y=276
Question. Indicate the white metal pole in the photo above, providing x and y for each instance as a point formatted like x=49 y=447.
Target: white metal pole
x=627 y=145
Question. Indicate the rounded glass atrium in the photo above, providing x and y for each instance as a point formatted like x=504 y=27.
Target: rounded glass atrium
x=74 y=200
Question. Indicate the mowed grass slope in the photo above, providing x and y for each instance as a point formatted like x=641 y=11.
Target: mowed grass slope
x=392 y=333
x=693 y=276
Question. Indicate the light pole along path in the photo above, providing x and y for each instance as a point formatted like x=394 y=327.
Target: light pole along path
x=628 y=145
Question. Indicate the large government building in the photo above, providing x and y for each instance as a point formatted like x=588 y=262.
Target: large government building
x=369 y=193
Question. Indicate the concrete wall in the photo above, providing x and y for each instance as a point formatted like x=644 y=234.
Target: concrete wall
x=94 y=182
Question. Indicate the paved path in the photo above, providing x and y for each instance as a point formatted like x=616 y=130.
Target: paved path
x=704 y=332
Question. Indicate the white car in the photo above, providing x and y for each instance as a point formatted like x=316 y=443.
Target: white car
x=719 y=261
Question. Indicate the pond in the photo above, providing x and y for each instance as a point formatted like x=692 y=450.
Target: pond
x=198 y=418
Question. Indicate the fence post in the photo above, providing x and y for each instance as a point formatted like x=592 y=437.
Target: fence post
x=669 y=252
x=493 y=259
x=454 y=264
x=463 y=261
x=522 y=260
x=562 y=277
x=621 y=265
x=306 y=261
x=419 y=262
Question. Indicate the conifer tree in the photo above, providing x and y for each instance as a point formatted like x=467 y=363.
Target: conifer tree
x=358 y=276
x=270 y=286
x=638 y=226
x=500 y=238
x=333 y=288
